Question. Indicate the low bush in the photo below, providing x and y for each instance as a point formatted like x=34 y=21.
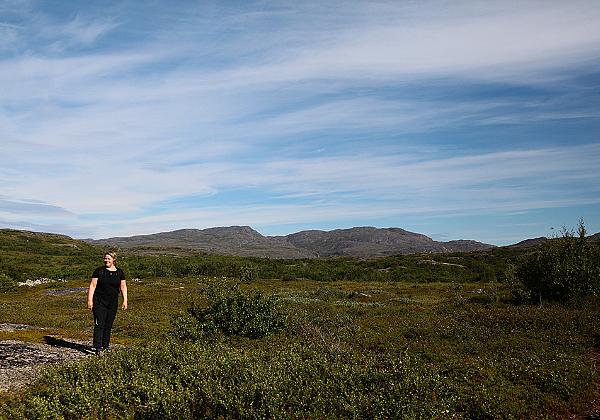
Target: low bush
x=202 y=380
x=520 y=293
x=248 y=273
x=231 y=311
x=7 y=283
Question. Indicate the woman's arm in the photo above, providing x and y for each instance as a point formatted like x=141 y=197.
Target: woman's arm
x=91 y=290
x=124 y=291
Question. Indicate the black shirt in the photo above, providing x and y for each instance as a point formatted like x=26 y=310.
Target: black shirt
x=108 y=286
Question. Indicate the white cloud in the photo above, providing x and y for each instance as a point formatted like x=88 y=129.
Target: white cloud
x=507 y=43
x=84 y=32
x=343 y=187
x=204 y=105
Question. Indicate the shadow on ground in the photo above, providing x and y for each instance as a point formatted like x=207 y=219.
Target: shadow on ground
x=60 y=342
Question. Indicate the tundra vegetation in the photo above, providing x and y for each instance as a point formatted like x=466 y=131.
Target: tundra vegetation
x=428 y=336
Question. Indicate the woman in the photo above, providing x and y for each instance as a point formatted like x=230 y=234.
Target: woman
x=103 y=299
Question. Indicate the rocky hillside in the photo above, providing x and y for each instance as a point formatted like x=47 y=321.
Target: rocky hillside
x=375 y=242
x=366 y=242
x=232 y=240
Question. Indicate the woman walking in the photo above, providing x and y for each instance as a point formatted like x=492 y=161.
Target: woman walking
x=103 y=299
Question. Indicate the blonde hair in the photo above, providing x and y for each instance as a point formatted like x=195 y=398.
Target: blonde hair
x=113 y=254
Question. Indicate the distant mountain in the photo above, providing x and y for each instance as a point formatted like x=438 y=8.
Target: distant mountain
x=365 y=242
x=232 y=240
x=465 y=245
x=361 y=242
x=375 y=242
x=527 y=243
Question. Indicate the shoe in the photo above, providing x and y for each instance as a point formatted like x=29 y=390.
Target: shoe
x=98 y=351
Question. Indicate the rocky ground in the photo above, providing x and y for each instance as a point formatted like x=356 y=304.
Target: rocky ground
x=20 y=361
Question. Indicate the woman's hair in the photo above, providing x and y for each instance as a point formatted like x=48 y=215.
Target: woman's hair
x=113 y=254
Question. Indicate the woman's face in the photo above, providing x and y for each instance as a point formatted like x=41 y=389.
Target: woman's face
x=108 y=260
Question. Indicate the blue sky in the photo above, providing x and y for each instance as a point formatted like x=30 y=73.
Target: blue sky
x=459 y=120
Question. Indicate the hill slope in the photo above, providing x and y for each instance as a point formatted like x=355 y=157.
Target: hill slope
x=14 y=241
x=28 y=255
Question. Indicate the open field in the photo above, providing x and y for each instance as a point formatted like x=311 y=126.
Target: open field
x=365 y=348
x=416 y=336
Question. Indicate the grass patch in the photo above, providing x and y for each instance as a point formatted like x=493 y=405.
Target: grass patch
x=415 y=353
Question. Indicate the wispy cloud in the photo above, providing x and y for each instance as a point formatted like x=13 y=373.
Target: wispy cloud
x=332 y=188
x=31 y=207
x=515 y=41
x=314 y=111
x=86 y=33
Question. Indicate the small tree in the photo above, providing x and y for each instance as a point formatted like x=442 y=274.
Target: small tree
x=7 y=283
x=248 y=273
x=562 y=268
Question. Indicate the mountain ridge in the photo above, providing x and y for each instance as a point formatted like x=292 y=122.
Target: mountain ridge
x=363 y=242
x=359 y=242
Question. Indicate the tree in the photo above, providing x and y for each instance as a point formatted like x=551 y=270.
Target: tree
x=563 y=268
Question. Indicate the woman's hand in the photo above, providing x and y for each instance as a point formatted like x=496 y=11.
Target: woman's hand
x=124 y=306
x=90 y=305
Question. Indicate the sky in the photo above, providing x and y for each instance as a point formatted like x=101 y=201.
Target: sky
x=455 y=119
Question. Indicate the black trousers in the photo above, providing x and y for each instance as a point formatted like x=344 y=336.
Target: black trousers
x=104 y=316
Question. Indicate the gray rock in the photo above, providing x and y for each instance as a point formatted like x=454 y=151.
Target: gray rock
x=14 y=327
x=20 y=361
x=67 y=291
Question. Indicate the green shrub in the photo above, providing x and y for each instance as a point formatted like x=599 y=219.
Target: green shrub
x=7 y=283
x=563 y=268
x=458 y=291
x=248 y=273
x=214 y=380
x=186 y=327
x=232 y=312
x=520 y=294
